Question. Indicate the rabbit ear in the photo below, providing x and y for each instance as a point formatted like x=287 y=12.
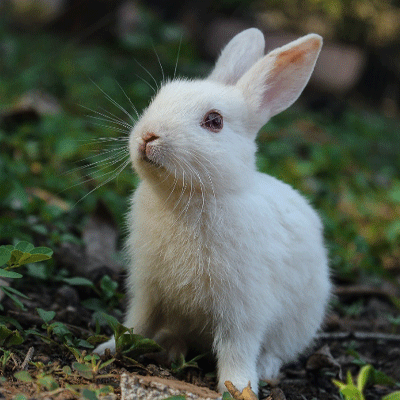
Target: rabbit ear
x=277 y=80
x=238 y=56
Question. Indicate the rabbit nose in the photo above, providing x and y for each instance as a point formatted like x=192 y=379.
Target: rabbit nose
x=147 y=138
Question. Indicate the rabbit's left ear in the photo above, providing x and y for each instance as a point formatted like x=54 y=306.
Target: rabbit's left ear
x=277 y=80
x=238 y=56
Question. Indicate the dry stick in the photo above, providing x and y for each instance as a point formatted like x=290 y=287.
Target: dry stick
x=27 y=358
x=392 y=337
x=246 y=394
x=363 y=290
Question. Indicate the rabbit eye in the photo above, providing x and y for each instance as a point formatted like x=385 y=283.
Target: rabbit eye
x=213 y=121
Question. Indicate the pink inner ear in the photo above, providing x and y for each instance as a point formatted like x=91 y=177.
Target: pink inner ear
x=289 y=75
x=296 y=55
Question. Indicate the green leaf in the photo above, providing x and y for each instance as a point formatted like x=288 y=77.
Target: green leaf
x=9 y=274
x=96 y=339
x=340 y=385
x=15 y=256
x=46 y=316
x=363 y=376
x=107 y=363
x=67 y=370
x=380 y=378
x=352 y=393
x=78 y=281
x=226 y=396
x=14 y=298
x=12 y=321
x=136 y=345
x=95 y=305
x=17 y=292
x=5 y=255
x=60 y=330
x=24 y=376
x=392 y=396
x=48 y=382
x=89 y=394
x=112 y=322
x=108 y=286
x=20 y=396
x=9 y=338
x=25 y=247
x=32 y=258
x=83 y=369
x=178 y=397
x=42 y=250
x=84 y=343
x=349 y=378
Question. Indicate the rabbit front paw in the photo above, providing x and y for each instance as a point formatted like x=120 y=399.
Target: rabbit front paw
x=110 y=344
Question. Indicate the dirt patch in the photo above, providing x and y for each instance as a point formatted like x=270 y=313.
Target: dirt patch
x=361 y=328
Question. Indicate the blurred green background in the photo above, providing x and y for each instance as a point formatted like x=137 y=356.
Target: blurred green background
x=61 y=63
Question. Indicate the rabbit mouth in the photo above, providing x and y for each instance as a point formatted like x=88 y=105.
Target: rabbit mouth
x=150 y=161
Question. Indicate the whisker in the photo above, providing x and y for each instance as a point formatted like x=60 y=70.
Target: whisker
x=111 y=122
x=110 y=117
x=146 y=82
x=113 y=128
x=149 y=73
x=119 y=170
x=130 y=101
x=177 y=57
x=104 y=140
x=107 y=162
x=159 y=63
x=109 y=98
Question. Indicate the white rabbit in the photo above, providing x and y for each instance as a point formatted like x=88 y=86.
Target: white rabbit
x=224 y=257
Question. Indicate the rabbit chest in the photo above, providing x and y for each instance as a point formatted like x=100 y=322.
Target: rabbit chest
x=193 y=265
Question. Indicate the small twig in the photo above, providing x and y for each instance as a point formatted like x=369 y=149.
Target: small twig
x=363 y=290
x=27 y=358
x=246 y=394
x=392 y=337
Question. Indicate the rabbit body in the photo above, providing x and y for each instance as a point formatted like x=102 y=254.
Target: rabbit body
x=222 y=256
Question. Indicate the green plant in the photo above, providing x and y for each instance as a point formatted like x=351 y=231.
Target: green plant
x=5 y=357
x=180 y=364
x=46 y=378
x=14 y=257
x=126 y=342
x=9 y=338
x=42 y=379
x=351 y=391
x=90 y=365
x=109 y=296
x=59 y=330
x=367 y=374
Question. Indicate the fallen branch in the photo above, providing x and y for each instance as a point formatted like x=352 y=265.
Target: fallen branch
x=389 y=337
x=246 y=394
x=363 y=290
x=27 y=358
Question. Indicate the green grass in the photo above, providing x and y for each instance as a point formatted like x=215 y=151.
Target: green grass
x=348 y=168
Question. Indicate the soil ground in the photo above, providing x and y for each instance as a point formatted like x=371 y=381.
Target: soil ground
x=357 y=330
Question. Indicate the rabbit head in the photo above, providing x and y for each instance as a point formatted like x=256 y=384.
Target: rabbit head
x=203 y=131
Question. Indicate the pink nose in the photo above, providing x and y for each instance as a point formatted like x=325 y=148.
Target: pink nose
x=147 y=138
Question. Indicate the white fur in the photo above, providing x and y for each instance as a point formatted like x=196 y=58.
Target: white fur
x=222 y=256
